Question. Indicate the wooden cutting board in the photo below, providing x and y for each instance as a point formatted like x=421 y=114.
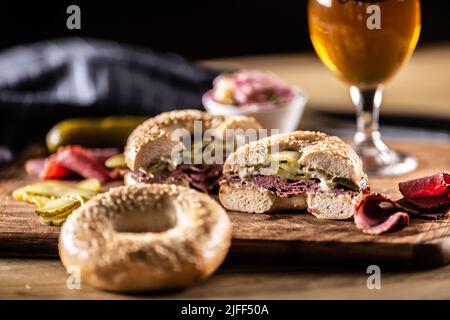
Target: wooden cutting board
x=292 y=237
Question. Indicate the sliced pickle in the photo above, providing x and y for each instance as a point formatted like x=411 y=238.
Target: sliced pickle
x=285 y=174
x=60 y=206
x=289 y=167
x=117 y=161
x=53 y=189
x=56 y=220
x=21 y=195
x=157 y=167
x=55 y=199
x=89 y=185
x=303 y=175
x=288 y=156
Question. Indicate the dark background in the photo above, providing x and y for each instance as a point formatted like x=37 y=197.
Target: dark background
x=195 y=29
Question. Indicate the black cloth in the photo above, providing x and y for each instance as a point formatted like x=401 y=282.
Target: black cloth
x=45 y=82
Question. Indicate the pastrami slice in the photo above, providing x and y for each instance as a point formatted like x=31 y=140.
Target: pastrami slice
x=373 y=218
x=429 y=203
x=34 y=167
x=103 y=154
x=204 y=178
x=429 y=186
x=82 y=162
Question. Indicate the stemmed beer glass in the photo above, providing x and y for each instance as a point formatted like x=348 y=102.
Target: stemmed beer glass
x=364 y=43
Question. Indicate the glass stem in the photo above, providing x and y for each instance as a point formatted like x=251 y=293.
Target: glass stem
x=367 y=103
x=377 y=158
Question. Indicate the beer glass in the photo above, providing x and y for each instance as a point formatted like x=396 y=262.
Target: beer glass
x=364 y=43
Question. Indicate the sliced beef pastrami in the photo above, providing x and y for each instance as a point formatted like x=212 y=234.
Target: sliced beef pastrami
x=378 y=214
x=429 y=186
x=34 y=167
x=427 y=207
x=103 y=154
x=73 y=160
x=161 y=177
x=53 y=169
x=284 y=189
x=278 y=186
x=426 y=203
x=68 y=161
x=83 y=162
x=426 y=197
x=203 y=178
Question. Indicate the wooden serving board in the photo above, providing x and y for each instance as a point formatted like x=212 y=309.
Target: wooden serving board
x=295 y=237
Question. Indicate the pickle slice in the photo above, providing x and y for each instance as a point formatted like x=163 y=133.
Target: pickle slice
x=288 y=156
x=55 y=199
x=285 y=174
x=157 y=167
x=289 y=167
x=55 y=221
x=42 y=191
x=89 y=185
x=59 y=206
x=21 y=195
x=117 y=161
x=53 y=189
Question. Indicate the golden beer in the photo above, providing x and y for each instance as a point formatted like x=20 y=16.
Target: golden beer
x=356 y=53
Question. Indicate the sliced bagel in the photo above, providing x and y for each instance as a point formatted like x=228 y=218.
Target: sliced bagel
x=318 y=151
x=323 y=205
x=313 y=171
x=152 y=140
x=157 y=143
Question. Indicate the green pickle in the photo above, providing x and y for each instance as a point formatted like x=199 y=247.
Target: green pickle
x=59 y=206
x=117 y=161
x=55 y=199
x=54 y=221
x=92 y=185
x=92 y=132
x=53 y=189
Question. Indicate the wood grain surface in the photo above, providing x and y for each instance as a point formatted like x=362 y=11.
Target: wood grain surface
x=46 y=279
x=297 y=236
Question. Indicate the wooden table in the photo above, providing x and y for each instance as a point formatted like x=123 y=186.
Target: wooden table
x=413 y=91
x=46 y=279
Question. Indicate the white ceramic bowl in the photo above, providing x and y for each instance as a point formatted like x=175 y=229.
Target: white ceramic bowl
x=285 y=118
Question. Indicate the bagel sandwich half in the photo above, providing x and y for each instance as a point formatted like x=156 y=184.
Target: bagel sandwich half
x=154 y=154
x=294 y=171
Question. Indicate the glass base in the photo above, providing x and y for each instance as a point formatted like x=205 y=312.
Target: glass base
x=379 y=160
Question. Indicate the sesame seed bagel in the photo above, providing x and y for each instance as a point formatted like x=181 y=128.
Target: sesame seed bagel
x=318 y=150
x=146 y=237
x=152 y=140
x=329 y=183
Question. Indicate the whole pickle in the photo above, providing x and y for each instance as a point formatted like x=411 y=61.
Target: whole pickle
x=92 y=132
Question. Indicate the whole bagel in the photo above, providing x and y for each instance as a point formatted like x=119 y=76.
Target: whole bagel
x=146 y=237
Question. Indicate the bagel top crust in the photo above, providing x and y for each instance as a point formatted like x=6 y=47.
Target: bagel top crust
x=319 y=151
x=89 y=235
x=152 y=141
